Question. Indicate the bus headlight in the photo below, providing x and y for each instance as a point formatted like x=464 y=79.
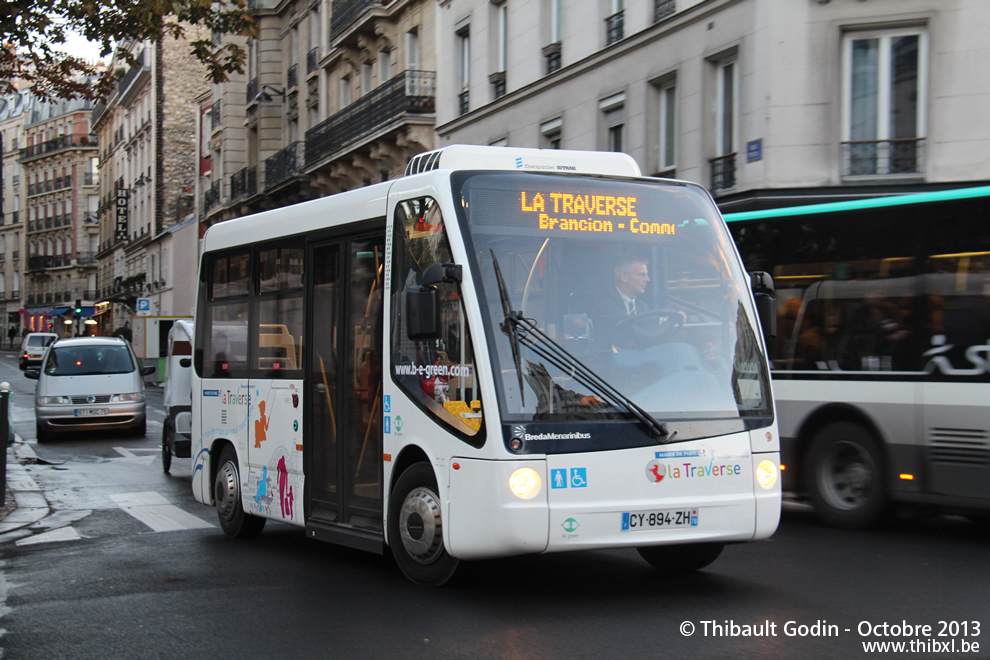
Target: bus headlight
x=525 y=483
x=766 y=473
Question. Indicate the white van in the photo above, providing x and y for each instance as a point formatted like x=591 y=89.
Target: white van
x=33 y=348
x=176 y=437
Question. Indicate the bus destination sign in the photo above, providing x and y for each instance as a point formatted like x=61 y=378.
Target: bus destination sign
x=589 y=213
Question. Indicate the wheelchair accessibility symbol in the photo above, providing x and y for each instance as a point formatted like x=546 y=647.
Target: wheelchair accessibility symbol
x=579 y=477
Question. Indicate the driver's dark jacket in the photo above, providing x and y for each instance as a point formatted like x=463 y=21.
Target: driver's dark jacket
x=608 y=311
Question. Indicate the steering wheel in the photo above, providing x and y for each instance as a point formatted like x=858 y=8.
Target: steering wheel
x=648 y=329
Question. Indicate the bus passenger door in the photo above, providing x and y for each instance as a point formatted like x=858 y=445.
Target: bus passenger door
x=344 y=440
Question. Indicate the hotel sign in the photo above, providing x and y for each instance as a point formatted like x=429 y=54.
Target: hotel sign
x=120 y=206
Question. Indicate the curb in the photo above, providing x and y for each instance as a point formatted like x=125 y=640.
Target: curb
x=31 y=503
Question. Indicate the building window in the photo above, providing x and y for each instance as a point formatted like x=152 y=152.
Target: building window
x=367 y=77
x=345 y=92
x=384 y=66
x=502 y=25
x=667 y=143
x=615 y=23
x=723 y=166
x=464 y=68
x=885 y=91
x=551 y=131
x=412 y=49
x=614 y=110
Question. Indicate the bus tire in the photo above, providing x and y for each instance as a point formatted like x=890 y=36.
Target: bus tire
x=681 y=558
x=166 y=448
x=415 y=528
x=235 y=522
x=844 y=476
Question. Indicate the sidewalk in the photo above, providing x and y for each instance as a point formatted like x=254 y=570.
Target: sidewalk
x=23 y=494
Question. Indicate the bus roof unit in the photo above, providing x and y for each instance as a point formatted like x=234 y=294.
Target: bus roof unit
x=471 y=157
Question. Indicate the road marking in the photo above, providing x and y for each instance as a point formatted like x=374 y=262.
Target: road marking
x=61 y=534
x=130 y=455
x=153 y=510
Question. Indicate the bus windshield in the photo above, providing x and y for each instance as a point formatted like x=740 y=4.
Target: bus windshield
x=636 y=281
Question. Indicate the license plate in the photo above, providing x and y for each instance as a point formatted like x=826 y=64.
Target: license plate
x=91 y=412
x=643 y=520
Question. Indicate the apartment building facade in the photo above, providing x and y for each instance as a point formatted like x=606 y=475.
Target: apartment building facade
x=759 y=100
x=59 y=170
x=147 y=173
x=336 y=95
x=14 y=110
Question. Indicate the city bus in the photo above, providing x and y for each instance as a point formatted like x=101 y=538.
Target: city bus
x=880 y=366
x=421 y=366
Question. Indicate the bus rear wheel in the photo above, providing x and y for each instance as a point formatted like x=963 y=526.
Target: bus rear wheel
x=681 y=558
x=227 y=494
x=844 y=476
x=415 y=528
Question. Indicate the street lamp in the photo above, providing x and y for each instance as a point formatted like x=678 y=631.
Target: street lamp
x=266 y=97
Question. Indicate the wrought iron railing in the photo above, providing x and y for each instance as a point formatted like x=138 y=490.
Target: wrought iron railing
x=215 y=114
x=615 y=27
x=253 y=87
x=464 y=102
x=312 y=60
x=724 y=172
x=211 y=197
x=59 y=143
x=285 y=164
x=664 y=8
x=40 y=263
x=410 y=92
x=86 y=258
x=345 y=12
x=244 y=183
x=883 y=157
x=292 y=77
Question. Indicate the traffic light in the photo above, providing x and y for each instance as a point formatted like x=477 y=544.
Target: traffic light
x=78 y=306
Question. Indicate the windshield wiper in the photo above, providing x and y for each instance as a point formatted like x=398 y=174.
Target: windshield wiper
x=523 y=331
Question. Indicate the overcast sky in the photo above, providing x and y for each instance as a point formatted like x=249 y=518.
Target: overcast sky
x=78 y=46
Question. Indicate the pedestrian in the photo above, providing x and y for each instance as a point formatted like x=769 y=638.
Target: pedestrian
x=10 y=336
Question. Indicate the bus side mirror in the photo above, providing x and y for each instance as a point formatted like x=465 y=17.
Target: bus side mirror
x=422 y=313
x=185 y=362
x=422 y=307
x=766 y=304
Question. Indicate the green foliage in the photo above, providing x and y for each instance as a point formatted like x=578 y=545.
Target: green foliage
x=123 y=332
x=40 y=31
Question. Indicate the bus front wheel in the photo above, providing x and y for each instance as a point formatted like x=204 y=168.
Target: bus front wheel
x=844 y=476
x=415 y=528
x=681 y=558
x=227 y=495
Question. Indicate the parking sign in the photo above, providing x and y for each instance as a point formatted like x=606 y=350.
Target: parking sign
x=144 y=306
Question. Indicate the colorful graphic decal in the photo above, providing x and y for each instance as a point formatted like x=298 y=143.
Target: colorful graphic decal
x=570 y=525
x=578 y=478
x=657 y=471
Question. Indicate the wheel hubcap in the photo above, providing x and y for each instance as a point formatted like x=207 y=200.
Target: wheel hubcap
x=420 y=526
x=848 y=476
x=226 y=490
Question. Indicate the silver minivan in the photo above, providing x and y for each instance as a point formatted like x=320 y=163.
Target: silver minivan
x=89 y=384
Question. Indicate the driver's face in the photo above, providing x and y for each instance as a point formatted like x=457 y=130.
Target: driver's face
x=636 y=279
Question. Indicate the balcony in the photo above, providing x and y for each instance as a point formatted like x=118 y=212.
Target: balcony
x=463 y=102
x=253 y=87
x=55 y=145
x=211 y=197
x=898 y=157
x=552 y=54
x=285 y=164
x=615 y=28
x=15 y=295
x=244 y=183
x=723 y=172
x=292 y=77
x=664 y=8
x=215 y=117
x=410 y=92
x=346 y=12
x=86 y=259
x=40 y=263
x=91 y=179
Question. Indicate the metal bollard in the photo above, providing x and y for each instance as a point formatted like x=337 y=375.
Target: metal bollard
x=7 y=433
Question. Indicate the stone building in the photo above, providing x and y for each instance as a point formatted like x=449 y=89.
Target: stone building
x=14 y=110
x=336 y=95
x=148 y=128
x=59 y=160
x=755 y=99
